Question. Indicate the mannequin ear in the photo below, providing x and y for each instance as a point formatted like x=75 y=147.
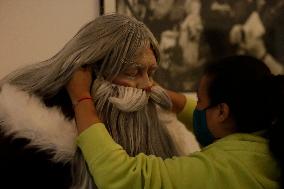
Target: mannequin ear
x=224 y=112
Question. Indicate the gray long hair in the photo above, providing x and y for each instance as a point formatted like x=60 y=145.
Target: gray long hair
x=109 y=43
x=112 y=40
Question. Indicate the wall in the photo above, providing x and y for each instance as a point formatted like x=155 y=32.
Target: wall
x=34 y=30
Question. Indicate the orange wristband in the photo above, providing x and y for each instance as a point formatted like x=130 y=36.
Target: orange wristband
x=82 y=99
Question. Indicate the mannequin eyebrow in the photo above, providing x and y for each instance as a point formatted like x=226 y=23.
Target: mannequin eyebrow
x=142 y=66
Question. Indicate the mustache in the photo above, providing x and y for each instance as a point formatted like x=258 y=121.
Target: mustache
x=129 y=99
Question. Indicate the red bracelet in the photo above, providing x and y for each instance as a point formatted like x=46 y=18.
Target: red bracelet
x=81 y=99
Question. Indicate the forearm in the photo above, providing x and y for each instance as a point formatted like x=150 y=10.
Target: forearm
x=107 y=161
x=86 y=115
x=183 y=106
x=186 y=114
x=178 y=101
x=79 y=92
x=112 y=167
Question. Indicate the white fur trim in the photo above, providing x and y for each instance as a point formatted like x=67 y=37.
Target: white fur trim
x=25 y=116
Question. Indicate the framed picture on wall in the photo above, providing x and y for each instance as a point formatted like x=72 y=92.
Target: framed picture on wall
x=193 y=33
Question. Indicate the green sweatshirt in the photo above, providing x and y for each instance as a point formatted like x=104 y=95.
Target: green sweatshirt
x=238 y=161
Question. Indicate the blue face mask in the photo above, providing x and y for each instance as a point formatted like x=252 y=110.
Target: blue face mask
x=200 y=129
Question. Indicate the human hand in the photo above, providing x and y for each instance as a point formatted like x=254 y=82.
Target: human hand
x=80 y=84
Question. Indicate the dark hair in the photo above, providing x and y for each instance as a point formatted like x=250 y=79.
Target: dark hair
x=255 y=97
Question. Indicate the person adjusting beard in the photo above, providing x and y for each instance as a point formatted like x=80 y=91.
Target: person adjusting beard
x=238 y=118
x=125 y=109
x=37 y=127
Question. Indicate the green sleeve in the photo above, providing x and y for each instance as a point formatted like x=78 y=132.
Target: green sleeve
x=111 y=167
x=186 y=115
x=225 y=163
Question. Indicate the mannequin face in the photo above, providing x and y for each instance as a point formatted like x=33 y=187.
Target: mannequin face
x=139 y=75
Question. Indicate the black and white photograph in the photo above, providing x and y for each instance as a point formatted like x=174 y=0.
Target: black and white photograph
x=192 y=33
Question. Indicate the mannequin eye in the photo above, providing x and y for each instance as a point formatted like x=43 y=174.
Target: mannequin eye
x=131 y=73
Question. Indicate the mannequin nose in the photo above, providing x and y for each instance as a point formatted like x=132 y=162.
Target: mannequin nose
x=146 y=83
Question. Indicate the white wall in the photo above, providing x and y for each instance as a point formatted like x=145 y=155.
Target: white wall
x=34 y=30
